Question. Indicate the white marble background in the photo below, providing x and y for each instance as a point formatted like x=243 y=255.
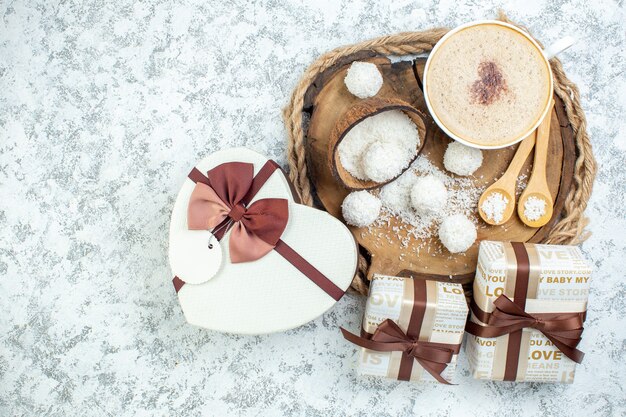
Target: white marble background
x=104 y=107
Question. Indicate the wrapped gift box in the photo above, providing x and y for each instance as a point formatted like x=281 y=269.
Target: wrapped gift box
x=534 y=298
x=422 y=325
x=246 y=256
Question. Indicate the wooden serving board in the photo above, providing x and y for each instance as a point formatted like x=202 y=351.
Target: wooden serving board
x=328 y=98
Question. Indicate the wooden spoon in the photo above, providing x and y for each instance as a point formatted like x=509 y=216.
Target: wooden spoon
x=537 y=188
x=507 y=182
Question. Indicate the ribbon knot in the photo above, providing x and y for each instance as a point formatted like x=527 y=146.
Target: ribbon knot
x=237 y=212
x=564 y=330
x=256 y=228
x=412 y=349
x=388 y=337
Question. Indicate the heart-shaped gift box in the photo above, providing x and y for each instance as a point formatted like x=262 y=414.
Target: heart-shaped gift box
x=246 y=256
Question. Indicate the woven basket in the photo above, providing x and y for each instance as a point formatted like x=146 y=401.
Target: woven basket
x=570 y=229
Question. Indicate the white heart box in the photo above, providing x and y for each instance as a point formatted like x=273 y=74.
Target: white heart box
x=269 y=294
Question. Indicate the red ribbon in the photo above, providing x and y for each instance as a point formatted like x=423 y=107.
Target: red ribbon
x=564 y=330
x=220 y=201
x=256 y=229
x=388 y=337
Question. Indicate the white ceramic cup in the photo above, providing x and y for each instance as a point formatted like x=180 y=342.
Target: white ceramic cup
x=547 y=54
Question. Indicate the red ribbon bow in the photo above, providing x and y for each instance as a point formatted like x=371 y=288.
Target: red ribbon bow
x=564 y=330
x=388 y=337
x=256 y=229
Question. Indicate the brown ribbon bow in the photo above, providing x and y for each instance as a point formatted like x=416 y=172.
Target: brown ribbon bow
x=256 y=229
x=388 y=337
x=221 y=200
x=564 y=330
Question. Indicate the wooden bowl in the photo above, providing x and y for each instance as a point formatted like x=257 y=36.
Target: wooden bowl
x=355 y=115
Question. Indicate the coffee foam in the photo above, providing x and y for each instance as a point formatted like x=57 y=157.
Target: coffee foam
x=488 y=84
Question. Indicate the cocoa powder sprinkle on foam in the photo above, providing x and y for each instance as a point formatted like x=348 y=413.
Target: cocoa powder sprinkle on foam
x=490 y=85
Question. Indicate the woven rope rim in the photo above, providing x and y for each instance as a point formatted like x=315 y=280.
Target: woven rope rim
x=570 y=229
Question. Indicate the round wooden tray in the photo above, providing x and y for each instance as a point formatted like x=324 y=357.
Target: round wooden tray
x=327 y=99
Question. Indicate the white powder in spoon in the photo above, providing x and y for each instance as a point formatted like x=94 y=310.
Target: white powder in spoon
x=534 y=208
x=389 y=126
x=494 y=206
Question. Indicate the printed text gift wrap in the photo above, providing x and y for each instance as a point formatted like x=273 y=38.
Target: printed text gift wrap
x=528 y=311
x=246 y=257
x=412 y=329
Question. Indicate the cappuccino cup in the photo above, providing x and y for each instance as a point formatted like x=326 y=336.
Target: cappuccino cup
x=488 y=84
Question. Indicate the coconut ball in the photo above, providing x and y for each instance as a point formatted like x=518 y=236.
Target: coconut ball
x=384 y=160
x=395 y=195
x=428 y=195
x=363 y=79
x=360 y=208
x=457 y=233
x=462 y=160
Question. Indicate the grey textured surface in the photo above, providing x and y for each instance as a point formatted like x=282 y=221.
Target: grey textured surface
x=105 y=106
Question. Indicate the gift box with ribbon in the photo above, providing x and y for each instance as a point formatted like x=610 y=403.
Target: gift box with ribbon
x=527 y=312
x=412 y=329
x=245 y=256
